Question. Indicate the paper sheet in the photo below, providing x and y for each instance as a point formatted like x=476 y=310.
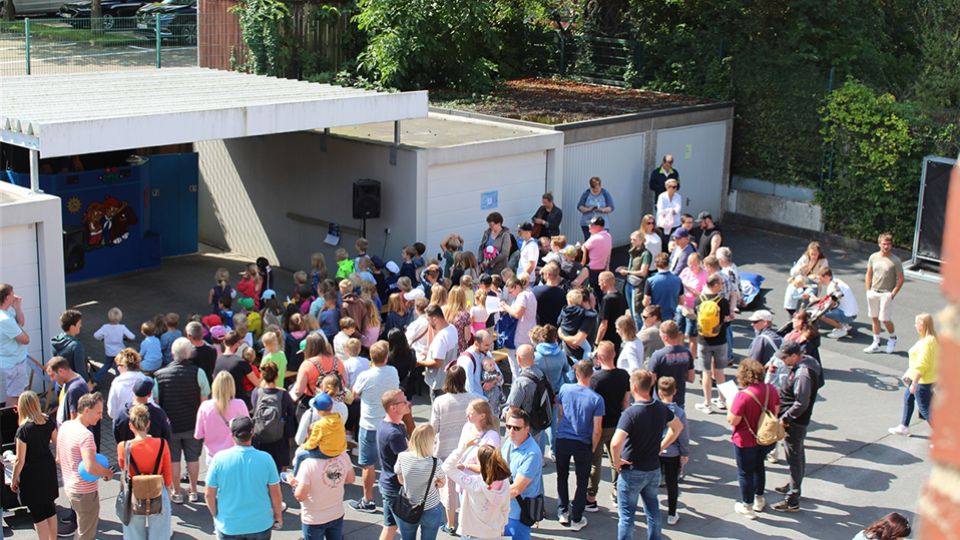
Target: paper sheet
x=729 y=390
x=493 y=305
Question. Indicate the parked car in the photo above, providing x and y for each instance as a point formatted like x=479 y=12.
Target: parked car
x=178 y=20
x=115 y=13
x=33 y=8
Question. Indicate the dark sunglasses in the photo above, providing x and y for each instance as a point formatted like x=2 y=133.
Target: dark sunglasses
x=514 y=428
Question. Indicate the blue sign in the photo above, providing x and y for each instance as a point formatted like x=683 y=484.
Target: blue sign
x=489 y=200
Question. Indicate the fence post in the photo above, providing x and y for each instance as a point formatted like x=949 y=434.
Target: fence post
x=563 y=59
x=156 y=27
x=26 y=41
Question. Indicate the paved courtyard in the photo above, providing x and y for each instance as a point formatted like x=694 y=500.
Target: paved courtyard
x=856 y=471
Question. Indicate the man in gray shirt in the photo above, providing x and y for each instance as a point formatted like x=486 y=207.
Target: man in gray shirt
x=522 y=390
x=766 y=341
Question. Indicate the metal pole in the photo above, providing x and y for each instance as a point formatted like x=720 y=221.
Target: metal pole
x=35 y=171
x=156 y=21
x=396 y=142
x=26 y=33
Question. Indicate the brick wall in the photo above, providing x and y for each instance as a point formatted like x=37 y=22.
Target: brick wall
x=220 y=41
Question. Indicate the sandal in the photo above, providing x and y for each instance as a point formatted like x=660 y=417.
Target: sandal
x=193 y=496
x=176 y=498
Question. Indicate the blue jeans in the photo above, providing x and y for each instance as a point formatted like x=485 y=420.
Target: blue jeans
x=429 y=525
x=302 y=455
x=630 y=487
x=150 y=527
x=751 y=472
x=552 y=432
x=730 y=343
x=107 y=364
x=516 y=530
x=923 y=398
x=265 y=535
x=582 y=455
x=331 y=530
x=389 y=518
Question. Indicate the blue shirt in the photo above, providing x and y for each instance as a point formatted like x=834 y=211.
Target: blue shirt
x=241 y=475
x=525 y=460
x=391 y=440
x=11 y=352
x=151 y=354
x=580 y=406
x=166 y=340
x=664 y=289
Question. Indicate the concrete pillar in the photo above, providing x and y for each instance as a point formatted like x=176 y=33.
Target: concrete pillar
x=939 y=506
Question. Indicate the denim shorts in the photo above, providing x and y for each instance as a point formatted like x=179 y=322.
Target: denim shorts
x=838 y=315
x=368 y=448
x=389 y=520
x=687 y=327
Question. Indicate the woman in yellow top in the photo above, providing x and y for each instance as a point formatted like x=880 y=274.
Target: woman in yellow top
x=921 y=374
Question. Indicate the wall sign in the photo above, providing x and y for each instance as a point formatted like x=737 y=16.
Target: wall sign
x=489 y=200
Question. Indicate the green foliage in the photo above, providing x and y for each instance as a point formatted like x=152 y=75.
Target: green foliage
x=939 y=83
x=428 y=44
x=263 y=24
x=879 y=144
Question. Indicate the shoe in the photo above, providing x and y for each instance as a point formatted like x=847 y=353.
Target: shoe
x=704 y=408
x=891 y=345
x=564 y=518
x=901 y=430
x=360 y=505
x=591 y=507
x=719 y=403
x=785 y=506
x=873 y=348
x=548 y=455
x=193 y=496
x=744 y=510
x=177 y=498
x=613 y=498
x=449 y=530
x=759 y=503
x=577 y=525
x=772 y=457
x=673 y=519
x=283 y=507
x=783 y=490
x=837 y=333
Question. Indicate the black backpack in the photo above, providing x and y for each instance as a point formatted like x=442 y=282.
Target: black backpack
x=268 y=418
x=541 y=411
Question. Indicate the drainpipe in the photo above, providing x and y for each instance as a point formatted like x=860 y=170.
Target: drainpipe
x=35 y=171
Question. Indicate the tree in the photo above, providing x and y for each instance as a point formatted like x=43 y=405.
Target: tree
x=9 y=10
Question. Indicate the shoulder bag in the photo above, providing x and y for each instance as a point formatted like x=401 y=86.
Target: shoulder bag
x=406 y=510
x=532 y=509
x=123 y=504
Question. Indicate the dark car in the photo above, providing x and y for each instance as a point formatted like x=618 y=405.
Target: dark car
x=178 y=20
x=116 y=13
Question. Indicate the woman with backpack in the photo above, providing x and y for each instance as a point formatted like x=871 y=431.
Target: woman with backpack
x=146 y=460
x=274 y=417
x=319 y=361
x=420 y=476
x=748 y=416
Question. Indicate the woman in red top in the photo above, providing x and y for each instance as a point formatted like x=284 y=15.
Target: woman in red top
x=744 y=417
x=318 y=357
x=251 y=285
x=150 y=454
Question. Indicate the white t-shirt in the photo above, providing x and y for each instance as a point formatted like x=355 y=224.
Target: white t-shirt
x=371 y=385
x=529 y=319
x=848 y=302
x=472 y=363
x=354 y=366
x=443 y=346
x=653 y=244
x=529 y=251
x=669 y=209
x=631 y=355
x=112 y=336
x=418 y=327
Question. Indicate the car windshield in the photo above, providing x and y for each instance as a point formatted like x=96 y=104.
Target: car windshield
x=178 y=2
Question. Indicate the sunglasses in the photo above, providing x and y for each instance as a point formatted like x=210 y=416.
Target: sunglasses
x=513 y=427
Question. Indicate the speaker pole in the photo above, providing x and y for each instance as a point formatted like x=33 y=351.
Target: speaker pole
x=363 y=228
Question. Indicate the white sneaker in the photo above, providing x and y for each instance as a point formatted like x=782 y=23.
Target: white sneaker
x=891 y=344
x=577 y=525
x=759 y=503
x=901 y=430
x=704 y=408
x=719 y=404
x=564 y=518
x=874 y=347
x=837 y=333
x=744 y=510
x=672 y=520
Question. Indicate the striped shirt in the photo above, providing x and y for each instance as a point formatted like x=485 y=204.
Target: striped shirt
x=416 y=473
x=72 y=438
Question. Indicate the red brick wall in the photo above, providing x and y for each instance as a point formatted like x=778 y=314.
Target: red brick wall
x=939 y=507
x=220 y=42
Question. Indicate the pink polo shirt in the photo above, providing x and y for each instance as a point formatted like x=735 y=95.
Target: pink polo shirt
x=598 y=247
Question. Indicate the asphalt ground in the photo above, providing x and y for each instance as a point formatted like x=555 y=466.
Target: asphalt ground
x=856 y=471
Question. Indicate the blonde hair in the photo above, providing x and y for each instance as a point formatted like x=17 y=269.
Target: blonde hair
x=114 y=315
x=318 y=263
x=300 y=278
x=422 y=440
x=372 y=317
x=574 y=297
x=140 y=417
x=221 y=276
x=482 y=406
x=352 y=347
x=456 y=303
x=341 y=254
x=438 y=295
x=128 y=358
x=28 y=409
x=223 y=391
x=926 y=325
x=626 y=326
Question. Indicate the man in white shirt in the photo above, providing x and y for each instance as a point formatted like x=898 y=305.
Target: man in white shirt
x=370 y=387
x=529 y=250
x=472 y=361
x=442 y=351
x=840 y=317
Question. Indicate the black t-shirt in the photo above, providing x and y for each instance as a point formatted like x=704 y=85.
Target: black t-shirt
x=706 y=236
x=206 y=359
x=550 y=301
x=239 y=369
x=644 y=423
x=614 y=305
x=612 y=385
x=74 y=390
x=721 y=337
x=672 y=361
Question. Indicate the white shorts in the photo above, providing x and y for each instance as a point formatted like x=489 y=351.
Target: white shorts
x=14 y=381
x=879 y=305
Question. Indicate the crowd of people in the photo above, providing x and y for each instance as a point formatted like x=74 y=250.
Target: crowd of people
x=531 y=332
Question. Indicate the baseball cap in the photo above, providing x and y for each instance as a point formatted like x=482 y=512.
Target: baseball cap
x=597 y=220
x=761 y=315
x=322 y=402
x=413 y=294
x=789 y=348
x=268 y=294
x=246 y=303
x=680 y=233
x=704 y=215
x=217 y=332
x=393 y=267
x=211 y=320
x=143 y=387
x=242 y=427
x=377 y=262
x=525 y=226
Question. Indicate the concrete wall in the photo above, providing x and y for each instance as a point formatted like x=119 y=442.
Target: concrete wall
x=789 y=205
x=267 y=195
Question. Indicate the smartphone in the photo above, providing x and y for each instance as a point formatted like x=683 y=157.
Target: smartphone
x=285 y=477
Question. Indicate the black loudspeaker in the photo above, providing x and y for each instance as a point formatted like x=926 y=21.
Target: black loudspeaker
x=366 y=199
x=73 y=254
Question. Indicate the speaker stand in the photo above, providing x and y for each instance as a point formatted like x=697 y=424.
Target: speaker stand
x=363 y=227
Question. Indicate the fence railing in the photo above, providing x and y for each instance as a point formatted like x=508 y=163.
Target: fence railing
x=583 y=56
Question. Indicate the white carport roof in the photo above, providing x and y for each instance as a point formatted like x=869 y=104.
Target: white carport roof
x=61 y=115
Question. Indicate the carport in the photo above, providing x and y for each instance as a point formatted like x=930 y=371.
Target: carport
x=58 y=116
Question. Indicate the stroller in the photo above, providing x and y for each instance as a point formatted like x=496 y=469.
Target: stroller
x=814 y=311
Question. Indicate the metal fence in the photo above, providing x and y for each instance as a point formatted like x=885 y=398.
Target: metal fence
x=586 y=57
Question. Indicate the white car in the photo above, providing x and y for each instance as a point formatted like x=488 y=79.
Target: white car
x=33 y=8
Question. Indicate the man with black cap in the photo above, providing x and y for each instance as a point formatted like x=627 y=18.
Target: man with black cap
x=159 y=423
x=766 y=341
x=710 y=236
x=596 y=251
x=798 y=393
x=529 y=251
x=681 y=250
x=236 y=497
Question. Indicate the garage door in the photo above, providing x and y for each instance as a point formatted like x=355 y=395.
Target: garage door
x=619 y=164
x=460 y=195
x=698 y=153
x=22 y=271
